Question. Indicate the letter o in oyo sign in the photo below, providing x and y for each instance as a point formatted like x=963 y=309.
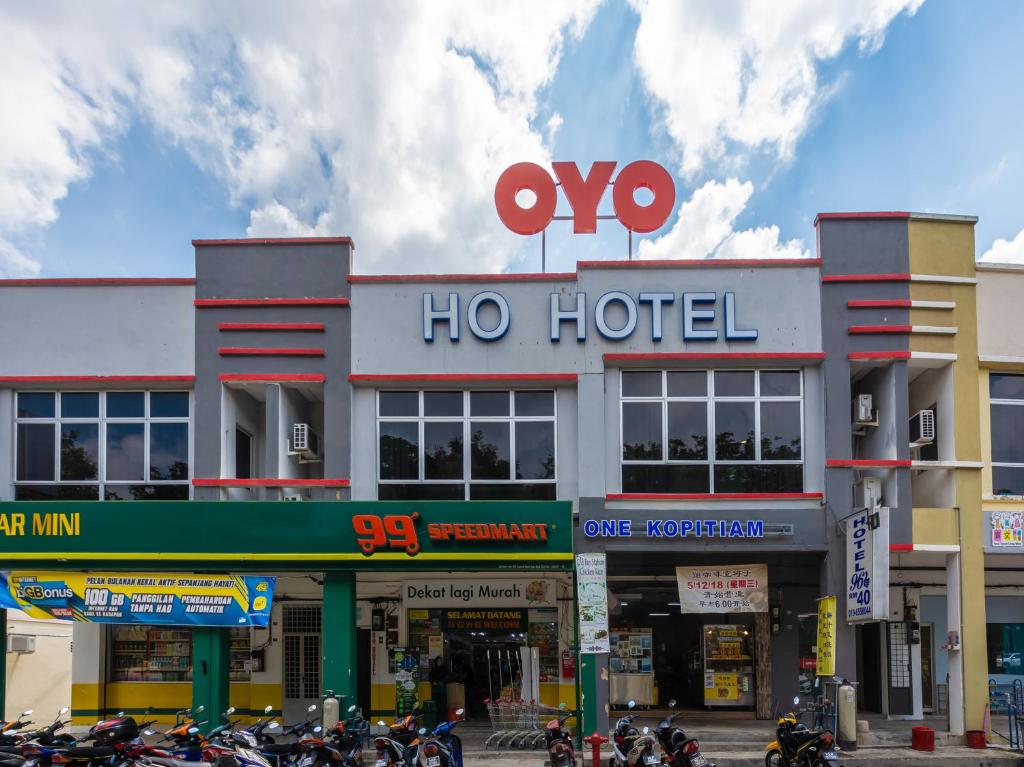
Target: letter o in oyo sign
x=516 y=178
x=643 y=174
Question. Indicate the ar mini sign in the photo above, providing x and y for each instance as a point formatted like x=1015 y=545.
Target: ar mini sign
x=867 y=565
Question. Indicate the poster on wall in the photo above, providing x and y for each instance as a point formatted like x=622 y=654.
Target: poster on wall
x=1006 y=529
x=157 y=599
x=867 y=566
x=485 y=592
x=733 y=589
x=826 y=655
x=592 y=590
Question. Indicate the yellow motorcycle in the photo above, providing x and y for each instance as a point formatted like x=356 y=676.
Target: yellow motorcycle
x=796 y=745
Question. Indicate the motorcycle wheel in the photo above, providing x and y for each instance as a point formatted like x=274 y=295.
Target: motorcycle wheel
x=774 y=759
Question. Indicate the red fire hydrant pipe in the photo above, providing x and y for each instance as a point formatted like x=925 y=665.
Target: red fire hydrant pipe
x=595 y=741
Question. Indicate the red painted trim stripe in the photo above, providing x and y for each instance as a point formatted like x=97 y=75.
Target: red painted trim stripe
x=894 y=277
x=853 y=216
x=208 y=302
x=712 y=496
x=668 y=356
x=861 y=329
x=895 y=303
x=699 y=263
x=898 y=547
x=286 y=326
x=97 y=379
x=469 y=377
x=269 y=482
x=525 y=277
x=854 y=356
x=882 y=463
x=277 y=241
x=273 y=377
x=77 y=282
x=245 y=351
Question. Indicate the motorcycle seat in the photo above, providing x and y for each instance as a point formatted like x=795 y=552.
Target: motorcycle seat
x=88 y=752
x=279 y=748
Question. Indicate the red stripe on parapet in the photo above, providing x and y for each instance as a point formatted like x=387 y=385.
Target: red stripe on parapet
x=893 y=277
x=97 y=379
x=668 y=356
x=712 y=496
x=468 y=377
x=697 y=263
x=272 y=377
x=895 y=303
x=866 y=214
x=221 y=302
x=245 y=351
x=285 y=326
x=93 y=282
x=866 y=463
x=855 y=356
x=862 y=329
x=269 y=482
x=525 y=277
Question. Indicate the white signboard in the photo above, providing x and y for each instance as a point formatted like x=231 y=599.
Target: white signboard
x=867 y=566
x=479 y=593
x=1006 y=529
x=732 y=589
x=592 y=598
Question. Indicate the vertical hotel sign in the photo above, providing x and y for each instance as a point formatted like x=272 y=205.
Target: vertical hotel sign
x=867 y=566
x=826 y=636
x=592 y=598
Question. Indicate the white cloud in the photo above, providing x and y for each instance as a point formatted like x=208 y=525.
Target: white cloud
x=738 y=76
x=1006 y=251
x=705 y=229
x=389 y=122
x=14 y=263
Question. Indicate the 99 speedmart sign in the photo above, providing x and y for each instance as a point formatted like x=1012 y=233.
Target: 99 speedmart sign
x=584 y=195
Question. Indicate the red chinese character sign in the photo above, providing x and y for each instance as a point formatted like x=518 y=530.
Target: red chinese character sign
x=584 y=195
x=732 y=589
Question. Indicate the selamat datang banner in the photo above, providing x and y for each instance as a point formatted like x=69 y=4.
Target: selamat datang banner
x=158 y=599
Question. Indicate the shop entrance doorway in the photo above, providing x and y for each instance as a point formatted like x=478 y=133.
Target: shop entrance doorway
x=301 y=657
x=489 y=665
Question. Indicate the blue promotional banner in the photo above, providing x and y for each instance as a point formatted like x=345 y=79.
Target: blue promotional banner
x=158 y=599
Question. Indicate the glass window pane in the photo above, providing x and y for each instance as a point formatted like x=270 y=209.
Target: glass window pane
x=442 y=450
x=145 y=492
x=780 y=383
x=36 y=452
x=36 y=404
x=491 y=451
x=687 y=431
x=641 y=383
x=780 y=431
x=399 y=403
x=687 y=383
x=488 y=403
x=168 y=451
x=665 y=478
x=759 y=478
x=126 y=451
x=243 y=454
x=641 y=431
x=533 y=404
x=513 y=491
x=1005 y=386
x=80 y=404
x=734 y=383
x=126 y=404
x=399 y=450
x=442 y=403
x=535 y=450
x=734 y=431
x=1007 y=480
x=168 y=404
x=421 y=492
x=1007 y=428
x=57 y=493
x=79 y=451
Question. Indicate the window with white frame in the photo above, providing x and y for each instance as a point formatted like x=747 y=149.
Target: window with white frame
x=422 y=438
x=116 y=445
x=1006 y=397
x=712 y=431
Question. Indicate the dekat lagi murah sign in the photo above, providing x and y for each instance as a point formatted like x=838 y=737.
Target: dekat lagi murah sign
x=422 y=535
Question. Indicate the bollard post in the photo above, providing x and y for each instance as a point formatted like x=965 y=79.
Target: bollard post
x=595 y=741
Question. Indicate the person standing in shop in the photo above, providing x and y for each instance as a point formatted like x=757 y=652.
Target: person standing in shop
x=439 y=686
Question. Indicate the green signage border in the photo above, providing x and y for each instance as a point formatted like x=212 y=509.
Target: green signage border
x=277 y=535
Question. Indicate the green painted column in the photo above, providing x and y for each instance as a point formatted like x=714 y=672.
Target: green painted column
x=211 y=670
x=339 y=637
x=3 y=666
x=588 y=673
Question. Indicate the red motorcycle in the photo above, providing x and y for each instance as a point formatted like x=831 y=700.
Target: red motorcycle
x=558 y=739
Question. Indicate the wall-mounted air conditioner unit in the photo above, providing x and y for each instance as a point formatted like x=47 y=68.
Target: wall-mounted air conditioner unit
x=304 y=443
x=863 y=412
x=21 y=643
x=867 y=493
x=922 y=428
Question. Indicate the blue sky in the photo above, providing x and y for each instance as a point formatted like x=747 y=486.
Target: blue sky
x=927 y=122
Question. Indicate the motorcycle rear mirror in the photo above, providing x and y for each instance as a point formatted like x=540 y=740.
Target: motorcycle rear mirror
x=672 y=703
x=646 y=730
x=312 y=708
x=318 y=728
x=563 y=707
x=380 y=723
x=796 y=700
x=460 y=712
x=27 y=712
x=631 y=705
x=63 y=711
x=268 y=709
x=198 y=709
x=273 y=726
x=193 y=730
x=352 y=708
x=422 y=731
x=230 y=711
x=148 y=732
x=119 y=714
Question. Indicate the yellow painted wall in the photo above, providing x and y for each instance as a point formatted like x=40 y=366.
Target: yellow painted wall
x=163 y=697
x=947 y=249
x=935 y=527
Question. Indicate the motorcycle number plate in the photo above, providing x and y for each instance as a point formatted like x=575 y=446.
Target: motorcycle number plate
x=306 y=761
x=433 y=761
x=651 y=759
x=698 y=761
x=830 y=756
x=381 y=763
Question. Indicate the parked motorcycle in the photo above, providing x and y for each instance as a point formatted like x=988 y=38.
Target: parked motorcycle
x=441 y=747
x=622 y=738
x=347 y=738
x=558 y=739
x=395 y=747
x=796 y=745
x=38 y=745
x=643 y=752
x=679 y=749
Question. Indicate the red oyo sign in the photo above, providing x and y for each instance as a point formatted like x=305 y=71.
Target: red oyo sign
x=584 y=194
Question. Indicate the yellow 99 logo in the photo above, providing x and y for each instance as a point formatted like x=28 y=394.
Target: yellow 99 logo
x=259 y=603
